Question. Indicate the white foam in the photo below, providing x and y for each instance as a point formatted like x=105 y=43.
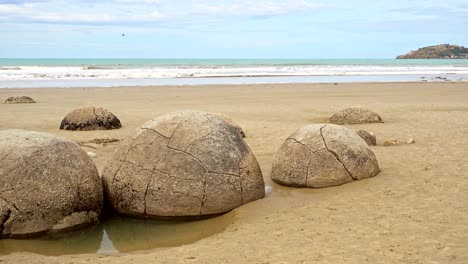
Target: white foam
x=83 y=73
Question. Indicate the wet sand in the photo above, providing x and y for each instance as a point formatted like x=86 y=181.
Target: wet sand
x=414 y=211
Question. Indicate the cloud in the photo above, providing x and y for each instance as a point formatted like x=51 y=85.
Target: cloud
x=256 y=9
x=145 y=11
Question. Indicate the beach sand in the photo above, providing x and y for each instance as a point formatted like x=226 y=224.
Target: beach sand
x=414 y=211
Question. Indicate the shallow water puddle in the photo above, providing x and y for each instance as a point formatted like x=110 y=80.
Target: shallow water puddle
x=120 y=234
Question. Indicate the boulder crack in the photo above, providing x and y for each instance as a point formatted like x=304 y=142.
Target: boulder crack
x=4 y=219
x=11 y=204
x=146 y=193
x=203 y=197
x=307 y=147
x=308 y=171
x=337 y=157
x=195 y=158
x=155 y=131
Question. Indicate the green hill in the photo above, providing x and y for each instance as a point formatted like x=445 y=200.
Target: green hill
x=443 y=51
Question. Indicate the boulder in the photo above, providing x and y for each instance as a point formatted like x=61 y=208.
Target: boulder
x=368 y=137
x=231 y=122
x=19 y=100
x=47 y=185
x=355 y=115
x=90 y=118
x=185 y=164
x=323 y=155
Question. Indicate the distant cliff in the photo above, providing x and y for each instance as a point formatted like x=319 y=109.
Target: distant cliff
x=443 y=51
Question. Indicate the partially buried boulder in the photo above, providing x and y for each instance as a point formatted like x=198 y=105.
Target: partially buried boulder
x=231 y=122
x=322 y=155
x=90 y=118
x=185 y=164
x=47 y=185
x=355 y=115
x=368 y=137
x=19 y=100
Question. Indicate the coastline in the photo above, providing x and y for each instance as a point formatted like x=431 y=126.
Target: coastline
x=413 y=211
x=201 y=81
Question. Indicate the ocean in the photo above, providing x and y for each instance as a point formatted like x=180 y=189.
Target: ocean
x=15 y=73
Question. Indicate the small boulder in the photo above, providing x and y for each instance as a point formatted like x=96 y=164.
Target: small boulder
x=323 y=155
x=391 y=142
x=47 y=185
x=355 y=115
x=368 y=137
x=185 y=164
x=229 y=120
x=19 y=100
x=411 y=141
x=90 y=118
x=91 y=154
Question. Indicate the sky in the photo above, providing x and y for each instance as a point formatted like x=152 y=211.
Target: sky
x=227 y=29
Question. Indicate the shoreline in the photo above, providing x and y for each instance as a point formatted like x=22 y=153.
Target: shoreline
x=413 y=211
x=229 y=80
x=238 y=84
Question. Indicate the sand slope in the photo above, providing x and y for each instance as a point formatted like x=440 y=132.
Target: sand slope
x=414 y=211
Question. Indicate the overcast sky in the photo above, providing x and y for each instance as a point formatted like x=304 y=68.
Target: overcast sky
x=227 y=29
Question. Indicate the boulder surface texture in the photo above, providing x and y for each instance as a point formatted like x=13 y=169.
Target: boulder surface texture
x=46 y=185
x=185 y=164
x=90 y=118
x=355 y=115
x=19 y=100
x=231 y=122
x=323 y=155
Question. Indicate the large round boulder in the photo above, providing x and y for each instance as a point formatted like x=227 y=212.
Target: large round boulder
x=322 y=155
x=185 y=164
x=19 y=100
x=90 y=118
x=355 y=115
x=47 y=185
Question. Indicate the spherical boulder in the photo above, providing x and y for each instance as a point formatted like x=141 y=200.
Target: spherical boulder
x=231 y=122
x=90 y=118
x=47 y=185
x=19 y=100
x=368 y=137
x=355 y=115
x=323 y=155
x=185 y=164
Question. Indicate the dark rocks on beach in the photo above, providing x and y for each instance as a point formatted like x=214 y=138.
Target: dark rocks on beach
x=391 y=142
x=355 y=115
x=323 y=155
x=368 y=137
x=185 y=164
x=47 y=185
x=90 y=118
x=19 y=100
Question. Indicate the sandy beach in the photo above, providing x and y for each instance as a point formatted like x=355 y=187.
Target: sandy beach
x=414 y=211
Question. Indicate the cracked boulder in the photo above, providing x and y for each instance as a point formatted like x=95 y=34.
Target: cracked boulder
x=185 y=164
x=231 y=122
x=90 y=118
x=19 y=100
x=46 y=185
x=321 y=155
x=355 y=115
